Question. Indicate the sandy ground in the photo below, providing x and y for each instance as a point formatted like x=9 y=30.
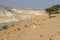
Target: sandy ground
x=34 y=29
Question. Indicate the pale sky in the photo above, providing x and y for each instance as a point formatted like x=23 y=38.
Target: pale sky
x=33 y=4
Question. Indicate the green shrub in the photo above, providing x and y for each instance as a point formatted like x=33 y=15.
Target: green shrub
x=53 y=9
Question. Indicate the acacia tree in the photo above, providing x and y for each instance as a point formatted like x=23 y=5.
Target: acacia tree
x=53 y=9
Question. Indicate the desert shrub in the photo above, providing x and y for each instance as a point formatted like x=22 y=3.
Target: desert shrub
x=18 y=28
x=35 y=23
x=53 y=9
x=25 y=25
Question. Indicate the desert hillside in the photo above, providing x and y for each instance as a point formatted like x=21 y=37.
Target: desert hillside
x=34 y=29
x=8 y=14
x=31 y=25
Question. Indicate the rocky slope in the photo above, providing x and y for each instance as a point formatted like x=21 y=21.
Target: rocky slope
x=8 y=14
x=28 y=24
x=34 y=29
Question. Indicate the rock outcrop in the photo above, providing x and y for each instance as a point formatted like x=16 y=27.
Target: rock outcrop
x=8 y=14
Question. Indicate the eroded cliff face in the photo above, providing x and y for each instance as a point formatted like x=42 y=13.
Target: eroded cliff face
x=8 y=14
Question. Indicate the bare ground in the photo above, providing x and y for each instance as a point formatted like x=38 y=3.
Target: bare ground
x=34 y=29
